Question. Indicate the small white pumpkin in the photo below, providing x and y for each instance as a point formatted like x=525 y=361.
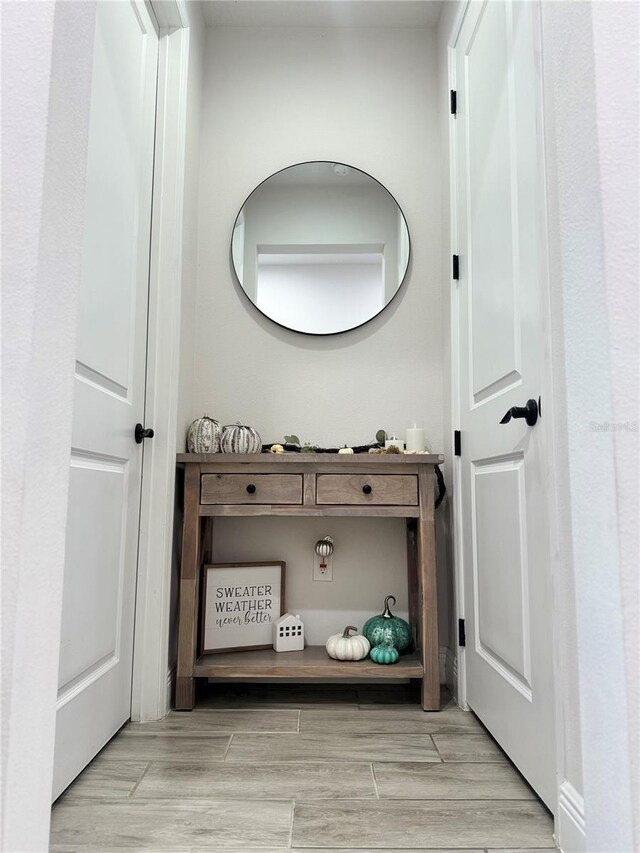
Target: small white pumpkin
x=237 y=438
x=203 y=436
x=345 y=647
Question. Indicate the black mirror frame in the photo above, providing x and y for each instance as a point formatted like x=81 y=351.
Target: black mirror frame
x=342 y=331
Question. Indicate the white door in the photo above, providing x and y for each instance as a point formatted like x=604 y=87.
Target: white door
x=96 y=651
x=502 y=334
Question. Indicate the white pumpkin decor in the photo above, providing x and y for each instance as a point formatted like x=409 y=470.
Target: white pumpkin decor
x=237 y=438
x=345 y=647
x=203 y=436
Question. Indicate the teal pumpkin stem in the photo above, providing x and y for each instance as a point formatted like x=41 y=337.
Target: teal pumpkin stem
x=387 y=614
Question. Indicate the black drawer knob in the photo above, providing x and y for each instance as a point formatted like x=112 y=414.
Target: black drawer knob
x=367 y=489
x=251 y=489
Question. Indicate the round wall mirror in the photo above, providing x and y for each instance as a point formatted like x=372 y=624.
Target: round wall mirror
x=320 y=247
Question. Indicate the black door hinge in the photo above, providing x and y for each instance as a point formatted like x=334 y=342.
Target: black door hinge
x=455 y=267
x=453 y=95
x=462 y=636
x=457 y=443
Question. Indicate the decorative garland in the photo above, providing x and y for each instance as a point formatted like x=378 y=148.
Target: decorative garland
x=307 y=448
x=362 y=448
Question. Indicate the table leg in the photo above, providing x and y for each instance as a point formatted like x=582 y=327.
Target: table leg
x=428 y=594
x=412 y=580
x=189 y=577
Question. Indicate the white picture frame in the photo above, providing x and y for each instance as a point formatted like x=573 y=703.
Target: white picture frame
x=240 y=603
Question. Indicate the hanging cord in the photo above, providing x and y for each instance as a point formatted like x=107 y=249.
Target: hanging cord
x=442 y=489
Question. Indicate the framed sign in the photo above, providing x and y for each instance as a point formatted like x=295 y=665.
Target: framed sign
x=240 y=603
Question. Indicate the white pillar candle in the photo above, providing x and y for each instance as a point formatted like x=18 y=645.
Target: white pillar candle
x=415 y=439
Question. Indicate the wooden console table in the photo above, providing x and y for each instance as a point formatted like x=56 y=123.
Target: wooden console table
x=299 y=485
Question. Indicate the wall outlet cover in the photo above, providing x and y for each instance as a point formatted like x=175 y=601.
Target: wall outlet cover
x=322 y=568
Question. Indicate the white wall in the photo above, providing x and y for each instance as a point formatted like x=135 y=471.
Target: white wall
x=273 y=97
x=616 y=42
x=369 y=563
x=190 y=223
x=47 y=53
x=560 y=25
x=188 y=305
x=590 y=59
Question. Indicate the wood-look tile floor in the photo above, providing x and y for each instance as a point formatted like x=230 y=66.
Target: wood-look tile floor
x=275 y=768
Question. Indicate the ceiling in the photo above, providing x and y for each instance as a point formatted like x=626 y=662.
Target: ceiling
x=322 y=13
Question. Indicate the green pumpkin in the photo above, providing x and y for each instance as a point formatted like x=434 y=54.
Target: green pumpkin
x=384 y=654
x=387 y=628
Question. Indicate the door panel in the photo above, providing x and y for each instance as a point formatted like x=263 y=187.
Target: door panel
x=96 y=649
x=116 y=216
x=495 y=357
x=501 y=617
x=502 y=333
x=94 y=568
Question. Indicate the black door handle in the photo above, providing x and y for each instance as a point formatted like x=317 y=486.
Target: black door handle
x=528 y=412
x=367 y=489
x=251 y=489
x=141 y=433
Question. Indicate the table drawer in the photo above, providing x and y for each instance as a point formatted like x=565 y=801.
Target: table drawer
x=381 y=489
x=251 y=489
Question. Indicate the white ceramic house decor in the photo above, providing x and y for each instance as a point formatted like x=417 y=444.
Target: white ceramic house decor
x=288 y=634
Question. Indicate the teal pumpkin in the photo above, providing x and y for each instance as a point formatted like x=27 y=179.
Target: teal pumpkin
x=387 y=628
x=384 y=654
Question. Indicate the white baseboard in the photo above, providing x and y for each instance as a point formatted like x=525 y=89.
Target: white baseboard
x=571 y=835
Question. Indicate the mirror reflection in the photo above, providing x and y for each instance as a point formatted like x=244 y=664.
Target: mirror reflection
x=320 y=247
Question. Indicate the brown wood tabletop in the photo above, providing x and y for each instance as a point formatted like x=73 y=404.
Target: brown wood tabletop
x=292 y=458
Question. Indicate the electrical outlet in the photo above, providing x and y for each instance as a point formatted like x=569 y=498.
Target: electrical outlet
x=322 y=568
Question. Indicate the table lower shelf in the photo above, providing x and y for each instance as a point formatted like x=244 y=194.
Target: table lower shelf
x=309 y=663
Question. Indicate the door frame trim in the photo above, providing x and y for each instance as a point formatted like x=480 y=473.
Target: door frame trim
x=150 y=694
x=456 y=515
x=550 y=421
